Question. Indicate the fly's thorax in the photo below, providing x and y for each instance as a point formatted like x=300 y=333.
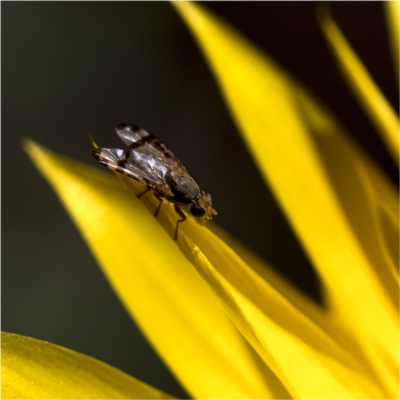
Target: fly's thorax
x=184 y=187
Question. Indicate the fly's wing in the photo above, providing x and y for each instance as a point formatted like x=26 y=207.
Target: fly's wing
x=139 y=140
x=142 y=167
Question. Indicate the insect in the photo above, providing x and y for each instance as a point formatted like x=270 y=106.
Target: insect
x=150 y=162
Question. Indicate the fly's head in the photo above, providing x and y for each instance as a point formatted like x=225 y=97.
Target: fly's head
x=202 y=208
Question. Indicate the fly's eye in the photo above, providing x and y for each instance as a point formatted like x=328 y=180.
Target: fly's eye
x=197 y=211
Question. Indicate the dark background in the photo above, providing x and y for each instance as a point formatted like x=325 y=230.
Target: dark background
x=69 y=69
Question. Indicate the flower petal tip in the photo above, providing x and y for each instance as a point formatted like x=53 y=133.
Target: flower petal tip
x=94 y=144
x=33 y=149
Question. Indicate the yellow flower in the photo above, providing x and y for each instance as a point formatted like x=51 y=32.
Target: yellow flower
x=220 y=318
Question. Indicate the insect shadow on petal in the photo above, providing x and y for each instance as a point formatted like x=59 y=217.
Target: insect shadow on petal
x=150 y=162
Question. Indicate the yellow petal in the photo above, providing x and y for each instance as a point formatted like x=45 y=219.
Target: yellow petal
x=314 y=171
x=311 y=310
x=369 y=202
x=173 y=306
x=364 y=88
x=33 y=369
x=393 y=17
x=298 y=351
x=302 y=302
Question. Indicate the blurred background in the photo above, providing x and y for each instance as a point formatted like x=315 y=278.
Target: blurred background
x=74 y=68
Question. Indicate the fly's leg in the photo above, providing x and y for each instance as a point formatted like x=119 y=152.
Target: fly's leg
x=141 y=194
x=159 y=206
x=157 y=197
x=180 y=212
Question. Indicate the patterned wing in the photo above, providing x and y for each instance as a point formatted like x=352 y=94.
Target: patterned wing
x=139 y=140
x=144 y=168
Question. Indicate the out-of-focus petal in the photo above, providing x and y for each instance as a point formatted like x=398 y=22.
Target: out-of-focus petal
x=174 y=307
x=33 y=369
x=370 y=204
x=393 y=18
x=364 y=88
x=314 y=171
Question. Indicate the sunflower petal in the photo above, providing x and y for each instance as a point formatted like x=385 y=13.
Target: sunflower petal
x=364 y=88
x=33 y=369
x=173 y=306
x=304 y=304
x=276 y=329
x=393 y=18
x=369 y=203
x=314 y=171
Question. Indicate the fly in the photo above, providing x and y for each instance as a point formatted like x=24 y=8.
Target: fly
x=150 y=162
